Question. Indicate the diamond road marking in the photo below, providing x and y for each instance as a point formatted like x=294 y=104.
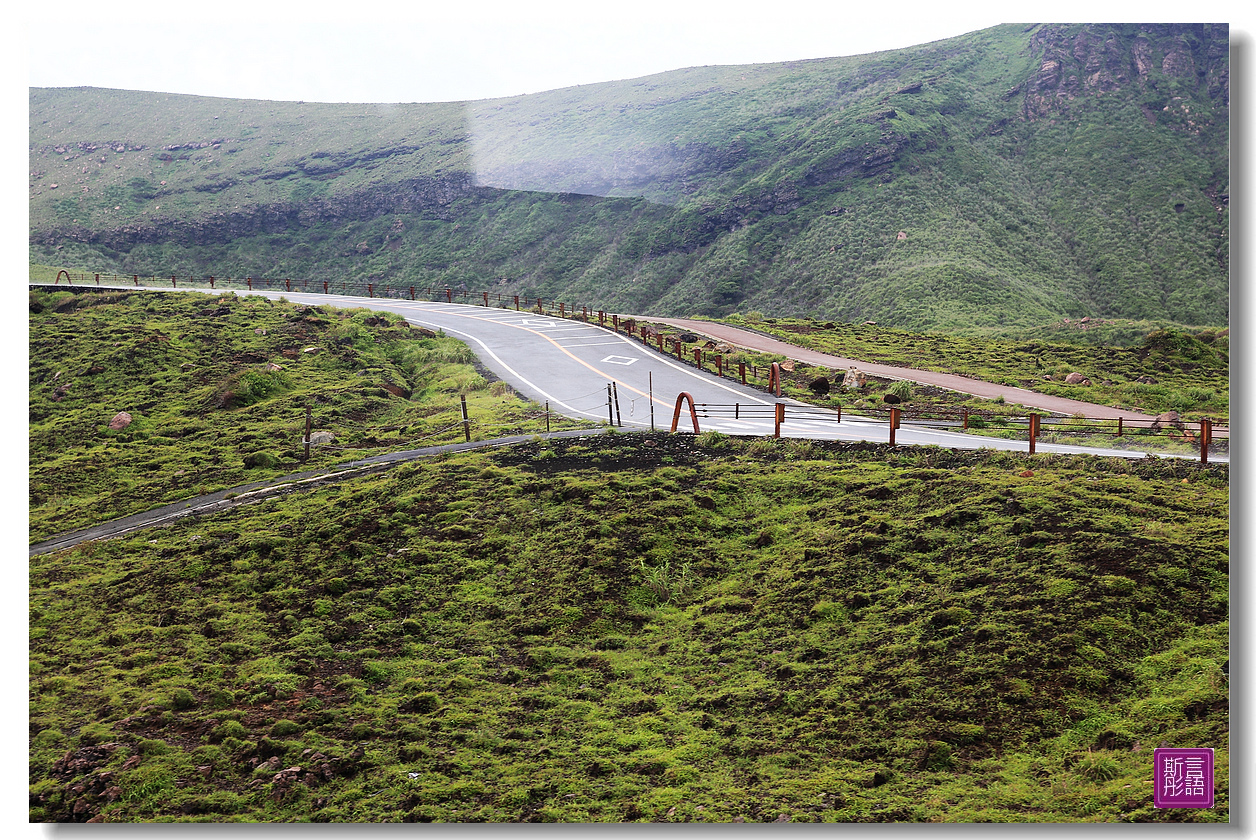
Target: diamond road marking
x=618 y=360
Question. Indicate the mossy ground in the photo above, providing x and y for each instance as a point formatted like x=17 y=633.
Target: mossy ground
x=648 y=627
x=217 y=387
x=1190 y=368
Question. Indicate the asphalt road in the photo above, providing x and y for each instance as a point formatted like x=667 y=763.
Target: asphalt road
x=570 y=365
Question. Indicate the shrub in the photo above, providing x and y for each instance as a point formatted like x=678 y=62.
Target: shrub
x=284 y=728
x=260 y=459
x=181 y=699
x=902 y=389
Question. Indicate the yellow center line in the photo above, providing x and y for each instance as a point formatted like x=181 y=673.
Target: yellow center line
x=556 y=344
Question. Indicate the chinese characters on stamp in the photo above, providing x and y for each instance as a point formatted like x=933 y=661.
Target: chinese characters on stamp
x=1183 y=778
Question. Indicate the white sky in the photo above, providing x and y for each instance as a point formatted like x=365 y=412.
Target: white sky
x=373 y=51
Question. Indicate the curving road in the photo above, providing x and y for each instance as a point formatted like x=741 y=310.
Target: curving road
x=571 y=364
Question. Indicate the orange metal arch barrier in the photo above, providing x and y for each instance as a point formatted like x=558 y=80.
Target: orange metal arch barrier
x=693 y=412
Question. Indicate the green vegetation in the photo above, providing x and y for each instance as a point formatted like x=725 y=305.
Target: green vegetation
x=1188 y=371
x=217 y=386
x=647 y=627
x=1007 y=178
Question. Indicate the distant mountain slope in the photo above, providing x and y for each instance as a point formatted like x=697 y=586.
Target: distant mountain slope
x=1003 y=178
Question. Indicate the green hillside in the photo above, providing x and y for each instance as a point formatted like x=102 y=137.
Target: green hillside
x=1005 y=178
x=615 y=627
x=648 y=628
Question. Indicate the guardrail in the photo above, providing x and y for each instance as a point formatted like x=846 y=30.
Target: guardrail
x=1202 y=437
x=705 y=358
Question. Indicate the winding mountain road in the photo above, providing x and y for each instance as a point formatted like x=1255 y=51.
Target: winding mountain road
x=593 y=373
x=571 y=365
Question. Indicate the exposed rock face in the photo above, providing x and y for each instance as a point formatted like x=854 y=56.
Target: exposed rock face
x=120 y=421
x=1092 y=61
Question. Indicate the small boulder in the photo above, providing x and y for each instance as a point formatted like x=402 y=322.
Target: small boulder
x=1076 y=378
x=321 y=437
x=120 y=421
x=1168 y=418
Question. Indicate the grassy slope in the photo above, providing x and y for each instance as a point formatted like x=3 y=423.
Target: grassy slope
x=1191 y=371
x=647 y=628
x=191 y=369
x=1007 y=221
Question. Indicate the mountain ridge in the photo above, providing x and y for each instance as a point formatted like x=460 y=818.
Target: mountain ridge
x=928 y=188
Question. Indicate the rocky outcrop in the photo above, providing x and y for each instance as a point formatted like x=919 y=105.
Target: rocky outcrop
x=1091 y=60
x=429 y=197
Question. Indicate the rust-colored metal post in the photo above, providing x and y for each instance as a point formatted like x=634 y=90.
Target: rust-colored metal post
x=516 y=303
x=97 y=279
x=741 y=368
x=719 y=365
x=466 y=421
x=561 y=313
x=486 y=298
x=1120 y=426
x=449 y=296
x=288 y=282
x=324 y=287
x=659 y=336
x=1033 y=433
x=680 y=349
x=1205 y=438
x=839 y=412
x=540 y=307
x=693 y=412
x=370 y=290
x=774 y=379
x=211 y=281
x=249 y=280
x=893 y=424
x=780 y=418
x=697 y=356
x=601 y=318
x=965 y=419
x=173 y=284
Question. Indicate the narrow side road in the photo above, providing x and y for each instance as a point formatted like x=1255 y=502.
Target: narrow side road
x=257 y=491
x=988 y=390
